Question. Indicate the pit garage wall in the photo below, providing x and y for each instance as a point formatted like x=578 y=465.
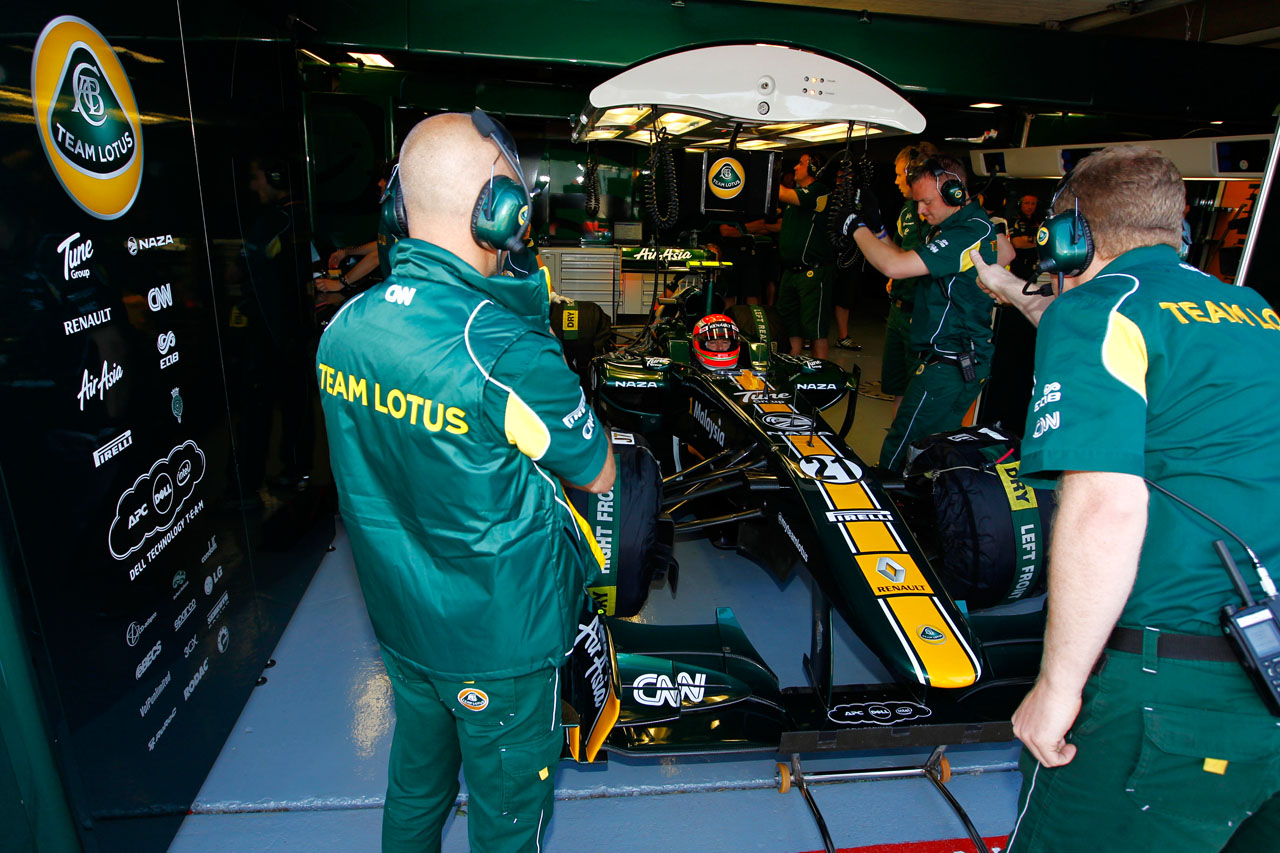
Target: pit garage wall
x=159 y=416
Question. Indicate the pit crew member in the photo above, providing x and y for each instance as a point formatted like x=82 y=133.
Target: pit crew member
x=1147 y=735
x=453 y=421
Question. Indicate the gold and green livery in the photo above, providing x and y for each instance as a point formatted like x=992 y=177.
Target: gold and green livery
x=725 y=177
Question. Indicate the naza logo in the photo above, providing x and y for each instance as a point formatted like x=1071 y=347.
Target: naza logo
x=725 y=177
x=87 y=117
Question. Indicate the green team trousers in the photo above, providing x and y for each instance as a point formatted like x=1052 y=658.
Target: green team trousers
x=899 y=362
x=1182 y=758
x=806 y=301
x=935 y=401
x=504 y=733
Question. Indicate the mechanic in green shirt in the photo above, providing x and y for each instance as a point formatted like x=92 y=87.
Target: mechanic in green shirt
x=951 y=324
x=1149 y=735
x=806 y=299
x=453 y=425
x=899 y=362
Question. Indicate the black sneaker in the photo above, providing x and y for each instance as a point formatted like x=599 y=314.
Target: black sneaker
x=848 y=343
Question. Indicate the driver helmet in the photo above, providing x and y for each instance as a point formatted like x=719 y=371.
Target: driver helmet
x=715 y=342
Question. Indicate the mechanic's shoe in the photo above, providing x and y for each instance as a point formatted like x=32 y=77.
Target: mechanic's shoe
x=849 y=344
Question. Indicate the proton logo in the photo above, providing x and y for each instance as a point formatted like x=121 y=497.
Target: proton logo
x=726 y=179
x=473 y=699
x=931 y=635
x=166 y=341
x=87 y=117
x=788 y=422
x=133 y=246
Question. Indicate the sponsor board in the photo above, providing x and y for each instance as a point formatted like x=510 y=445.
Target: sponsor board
x=75 y=253
x=87 y=321
x=179 y=584
x=184 y=615
x=86 y=117
x=166 y=343
x=195 y=680
x=160 y=298
x=151 y=744
x=213 y=546
x=190 y=646
x=155 y=694
x=217 y=610
x=887 y=713
x=154 y=503
x=211 y=580
x=224 y=639
x=113 y=448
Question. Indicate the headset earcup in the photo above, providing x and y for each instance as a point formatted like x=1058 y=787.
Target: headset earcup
x=395 y=219
x=953 y=193
x=500 y=215
x=1065 y=243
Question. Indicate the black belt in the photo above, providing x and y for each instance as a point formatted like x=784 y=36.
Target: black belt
x=1205 y=647
x=930 y=357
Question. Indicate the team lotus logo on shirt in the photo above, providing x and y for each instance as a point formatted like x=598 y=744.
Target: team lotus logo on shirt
x=726 y=179
x=473 y=698
x=87 y=117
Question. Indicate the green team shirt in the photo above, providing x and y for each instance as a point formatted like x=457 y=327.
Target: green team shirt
x=1153 y=368
x=452 y=419
x=803 y=238
x=910 y=235
x=951 y=309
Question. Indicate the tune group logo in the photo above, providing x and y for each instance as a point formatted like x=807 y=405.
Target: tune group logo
x=87 y=117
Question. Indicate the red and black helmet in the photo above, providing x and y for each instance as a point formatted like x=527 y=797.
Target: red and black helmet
x=715 y=342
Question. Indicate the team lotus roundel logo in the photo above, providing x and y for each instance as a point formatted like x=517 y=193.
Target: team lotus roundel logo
x=1042 y=236
x=87 y=117
x=476 y=700
x=726 y=179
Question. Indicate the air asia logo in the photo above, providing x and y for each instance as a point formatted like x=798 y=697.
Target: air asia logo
x=154 y=501
x=160 y=298
x=931 y=635
x=97 y=386
x=134 y=632
x=474 y=699
x=137 y=244
x=165 y=342
x=877 y=713
x=87 y=117
x=788 y=422
x=648 y=253
x=725 y=177
x=691 y=686
x=112 y=447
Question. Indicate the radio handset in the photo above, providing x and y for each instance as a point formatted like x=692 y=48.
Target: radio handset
x=1254 y=630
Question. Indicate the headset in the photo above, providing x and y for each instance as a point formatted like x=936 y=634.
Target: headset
x=1065 y=241
x=815 y=164
x=500 y=215
x=952 y=189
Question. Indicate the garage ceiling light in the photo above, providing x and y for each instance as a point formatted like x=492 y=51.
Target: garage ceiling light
x=376 y=59
x=603 y=133
x=986 y=105
x=829 y=132
x=623 y=115
x=678 y=123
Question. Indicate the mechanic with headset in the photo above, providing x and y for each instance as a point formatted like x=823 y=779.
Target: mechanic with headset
x=806 y=296
x=1149 y=735
x=454 y=425
x=951 y=323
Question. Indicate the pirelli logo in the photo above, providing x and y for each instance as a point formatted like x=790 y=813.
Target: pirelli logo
x=843 y=515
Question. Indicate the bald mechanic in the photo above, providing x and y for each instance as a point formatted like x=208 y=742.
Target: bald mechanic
x=951 y=322
x=1143 y=731
x=454 y=425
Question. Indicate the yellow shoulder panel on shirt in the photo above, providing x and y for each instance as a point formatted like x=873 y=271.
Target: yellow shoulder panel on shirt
x=966 y=262
x=1124 y=353
x=525 y=429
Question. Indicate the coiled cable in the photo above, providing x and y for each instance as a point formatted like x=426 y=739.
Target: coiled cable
x=662 y=168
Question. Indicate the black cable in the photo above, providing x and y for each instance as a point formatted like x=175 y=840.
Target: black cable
x=853 y=180
x=662 y=160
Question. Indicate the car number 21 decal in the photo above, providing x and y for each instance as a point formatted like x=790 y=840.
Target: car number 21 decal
x=830 y=469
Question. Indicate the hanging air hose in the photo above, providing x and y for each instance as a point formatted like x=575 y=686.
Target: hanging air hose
x=846 y=197
x=591 y=184
x=662 y=168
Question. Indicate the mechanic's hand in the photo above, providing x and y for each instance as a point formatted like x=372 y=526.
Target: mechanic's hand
x=869 y=207
x=1002 y=285
x=336 y=259
x=1042 y=722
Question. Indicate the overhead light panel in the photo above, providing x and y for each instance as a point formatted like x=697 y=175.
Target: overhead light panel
x=316 y=57
x=375 y=59
x=779 y=128
x=1215 y=122
x=986 y=105
x=829 y=132
x=623 y=115
x=756 y=144
x=603 y=133
x=678 y=123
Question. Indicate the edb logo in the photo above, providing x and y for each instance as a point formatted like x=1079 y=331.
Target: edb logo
x=87 y=117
